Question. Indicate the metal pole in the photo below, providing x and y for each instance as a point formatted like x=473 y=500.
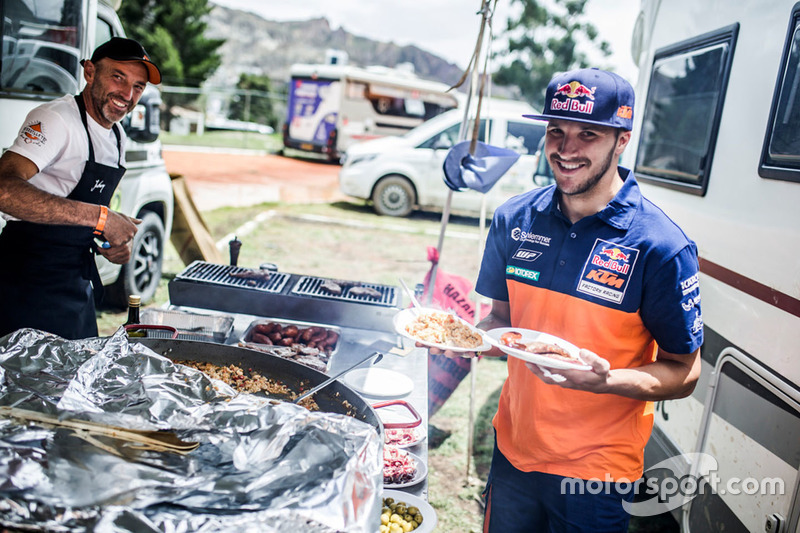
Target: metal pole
x=462 y=136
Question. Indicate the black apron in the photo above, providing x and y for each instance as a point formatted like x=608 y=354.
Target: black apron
x=47 y=271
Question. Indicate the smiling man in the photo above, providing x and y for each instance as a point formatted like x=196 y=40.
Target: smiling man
x=56 y=182
x=589 y=260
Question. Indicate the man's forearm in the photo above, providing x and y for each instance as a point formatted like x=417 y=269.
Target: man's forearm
x=22 y=200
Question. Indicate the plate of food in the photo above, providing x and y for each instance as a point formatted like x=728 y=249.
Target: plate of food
x=421 y=513
x=537 y=347
x=439 y=329
x=401 y=468
x=404 y=437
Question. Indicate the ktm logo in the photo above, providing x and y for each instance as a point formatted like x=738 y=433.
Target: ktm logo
x=606 y=278
x=625 y=111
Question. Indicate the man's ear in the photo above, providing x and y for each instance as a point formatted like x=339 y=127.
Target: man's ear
x=89 y=70
x=622 y=142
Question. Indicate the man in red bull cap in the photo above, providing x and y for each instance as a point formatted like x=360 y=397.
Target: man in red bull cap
x=56 y=182
x=591 y=261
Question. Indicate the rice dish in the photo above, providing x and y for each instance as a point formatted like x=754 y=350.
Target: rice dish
x=443 y=328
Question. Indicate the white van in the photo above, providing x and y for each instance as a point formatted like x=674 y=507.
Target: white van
x=716 y=145
x=42 y=45
x=399 y=174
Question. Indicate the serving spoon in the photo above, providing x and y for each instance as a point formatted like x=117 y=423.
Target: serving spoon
x=330 y=380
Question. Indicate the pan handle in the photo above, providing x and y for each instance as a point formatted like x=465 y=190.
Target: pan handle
x=395 y=425
x=174 y=331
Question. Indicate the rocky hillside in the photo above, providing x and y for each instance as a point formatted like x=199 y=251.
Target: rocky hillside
x=259 y=46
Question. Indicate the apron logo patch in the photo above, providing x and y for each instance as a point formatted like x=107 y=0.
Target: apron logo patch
x=98 y=184
x=522 y=273
x=607 y=271
x=33 y=134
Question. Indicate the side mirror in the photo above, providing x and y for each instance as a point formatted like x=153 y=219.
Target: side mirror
x=143 y=123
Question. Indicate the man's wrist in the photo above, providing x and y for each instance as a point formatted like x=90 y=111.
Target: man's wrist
x=101 y=221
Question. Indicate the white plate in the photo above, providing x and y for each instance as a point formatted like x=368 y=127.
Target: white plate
x=379 y=382
x=406 y=316
x=528 y=335
x=428 y=514
x=421 y=473
x=418 y=432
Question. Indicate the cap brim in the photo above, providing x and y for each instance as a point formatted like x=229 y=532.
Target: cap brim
x=556 y=117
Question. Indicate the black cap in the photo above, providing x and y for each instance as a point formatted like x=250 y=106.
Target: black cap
x=120 y=49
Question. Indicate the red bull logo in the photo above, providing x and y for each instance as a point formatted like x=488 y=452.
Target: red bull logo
x=615 y=253
x=575 y=89
x=617 y=260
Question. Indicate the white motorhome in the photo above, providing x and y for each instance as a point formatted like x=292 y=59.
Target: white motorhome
x=331 y=107
x=43 y=42
x=716 y=144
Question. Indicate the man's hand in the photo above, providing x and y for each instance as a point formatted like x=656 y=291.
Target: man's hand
x=594 y=380
x=119 y=255
x=120 y=230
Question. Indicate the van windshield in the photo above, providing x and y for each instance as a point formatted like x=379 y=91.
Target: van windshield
x=41 y=49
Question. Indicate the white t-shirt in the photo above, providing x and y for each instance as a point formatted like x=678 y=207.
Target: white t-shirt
x=53 y=137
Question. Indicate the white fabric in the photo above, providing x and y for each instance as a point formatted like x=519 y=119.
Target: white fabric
x=53 y=137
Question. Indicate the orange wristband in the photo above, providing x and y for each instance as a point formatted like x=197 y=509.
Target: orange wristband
x=101 y=222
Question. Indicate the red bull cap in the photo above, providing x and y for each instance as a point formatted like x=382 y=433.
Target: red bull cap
x=589 y=95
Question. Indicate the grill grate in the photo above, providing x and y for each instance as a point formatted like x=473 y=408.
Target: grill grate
x=221 y=275
x=310 y=286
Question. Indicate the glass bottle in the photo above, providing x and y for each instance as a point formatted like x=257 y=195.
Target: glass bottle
x=134 y=303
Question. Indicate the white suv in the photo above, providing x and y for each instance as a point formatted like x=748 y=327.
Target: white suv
x=399 y=174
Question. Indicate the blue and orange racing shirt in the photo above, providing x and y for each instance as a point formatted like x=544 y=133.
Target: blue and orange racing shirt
x=619 y=283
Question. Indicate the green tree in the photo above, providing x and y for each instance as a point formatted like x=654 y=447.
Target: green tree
x=549 y=36
x=173 y=33
x=254 y=102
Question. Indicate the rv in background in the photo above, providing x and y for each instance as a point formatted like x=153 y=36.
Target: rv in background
x=43 y=43
x=717 y=146
x=331 y=107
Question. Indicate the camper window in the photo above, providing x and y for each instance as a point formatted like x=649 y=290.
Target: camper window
x=682 y=110
x=40 y=46
x=780 y=158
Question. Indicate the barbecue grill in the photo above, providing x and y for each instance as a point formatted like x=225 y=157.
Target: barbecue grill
x=291 y=296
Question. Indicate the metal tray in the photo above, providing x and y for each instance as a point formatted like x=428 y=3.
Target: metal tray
x=246 y=337
x=190 y=326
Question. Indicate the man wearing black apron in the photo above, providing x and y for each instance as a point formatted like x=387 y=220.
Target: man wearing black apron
x=48 y=277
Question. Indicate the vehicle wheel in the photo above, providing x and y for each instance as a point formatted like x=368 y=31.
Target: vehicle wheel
x=143 y=272
x=394 y=196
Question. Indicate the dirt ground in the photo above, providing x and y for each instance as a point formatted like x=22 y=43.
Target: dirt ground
x=257 y=178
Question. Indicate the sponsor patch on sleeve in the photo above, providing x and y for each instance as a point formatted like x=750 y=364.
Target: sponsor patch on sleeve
x=33 y=134
x=607 y=271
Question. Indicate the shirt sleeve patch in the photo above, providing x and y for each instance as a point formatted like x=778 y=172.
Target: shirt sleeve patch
x=33 y=133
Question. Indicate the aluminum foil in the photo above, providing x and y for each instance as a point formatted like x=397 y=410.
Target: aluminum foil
x=261 y=465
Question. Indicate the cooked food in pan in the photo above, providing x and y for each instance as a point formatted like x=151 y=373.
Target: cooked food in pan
x=251 y=382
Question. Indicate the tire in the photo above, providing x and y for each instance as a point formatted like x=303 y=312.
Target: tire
x=394 y=196
x=142 y=274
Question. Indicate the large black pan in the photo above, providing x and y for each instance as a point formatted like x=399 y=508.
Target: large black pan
x=331 y=399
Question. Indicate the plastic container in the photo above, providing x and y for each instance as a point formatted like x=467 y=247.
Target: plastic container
x=190 y=326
